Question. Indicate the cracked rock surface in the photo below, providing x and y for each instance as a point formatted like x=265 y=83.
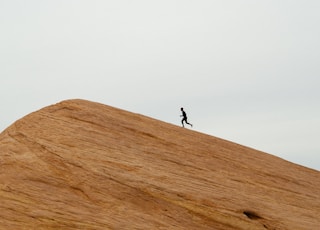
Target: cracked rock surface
x=83 y=165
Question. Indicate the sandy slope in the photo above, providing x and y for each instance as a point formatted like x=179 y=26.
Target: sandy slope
x=84 y=165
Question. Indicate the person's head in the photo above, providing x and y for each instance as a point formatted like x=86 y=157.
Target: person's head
x=181 y=109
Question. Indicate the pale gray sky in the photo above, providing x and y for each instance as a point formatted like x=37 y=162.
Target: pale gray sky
x=246 y=71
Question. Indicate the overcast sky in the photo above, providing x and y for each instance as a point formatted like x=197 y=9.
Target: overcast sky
x=247 y=71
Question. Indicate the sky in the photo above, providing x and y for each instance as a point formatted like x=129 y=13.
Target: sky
x=246 y=71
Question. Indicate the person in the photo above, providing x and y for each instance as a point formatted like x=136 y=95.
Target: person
x=184 y=119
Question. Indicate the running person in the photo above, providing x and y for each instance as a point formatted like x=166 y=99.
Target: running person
x=184 y=119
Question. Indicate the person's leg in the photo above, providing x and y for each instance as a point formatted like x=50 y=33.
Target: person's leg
x=182 y=122
x=188 y=123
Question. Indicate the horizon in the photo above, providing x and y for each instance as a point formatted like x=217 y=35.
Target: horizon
x=176 y=124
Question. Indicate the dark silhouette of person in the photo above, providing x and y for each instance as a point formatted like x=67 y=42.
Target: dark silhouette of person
x=184 y=119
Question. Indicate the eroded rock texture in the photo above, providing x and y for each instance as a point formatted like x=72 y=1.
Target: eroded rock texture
x=83 y=165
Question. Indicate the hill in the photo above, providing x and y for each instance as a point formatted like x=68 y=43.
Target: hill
x=83 y=165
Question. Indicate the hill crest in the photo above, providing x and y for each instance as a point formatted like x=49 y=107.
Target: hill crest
x=84 y=165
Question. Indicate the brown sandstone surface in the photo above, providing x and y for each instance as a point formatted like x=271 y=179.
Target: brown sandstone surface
x=83 y=165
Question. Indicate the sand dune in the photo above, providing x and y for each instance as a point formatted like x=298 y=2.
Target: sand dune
x=83 y=165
